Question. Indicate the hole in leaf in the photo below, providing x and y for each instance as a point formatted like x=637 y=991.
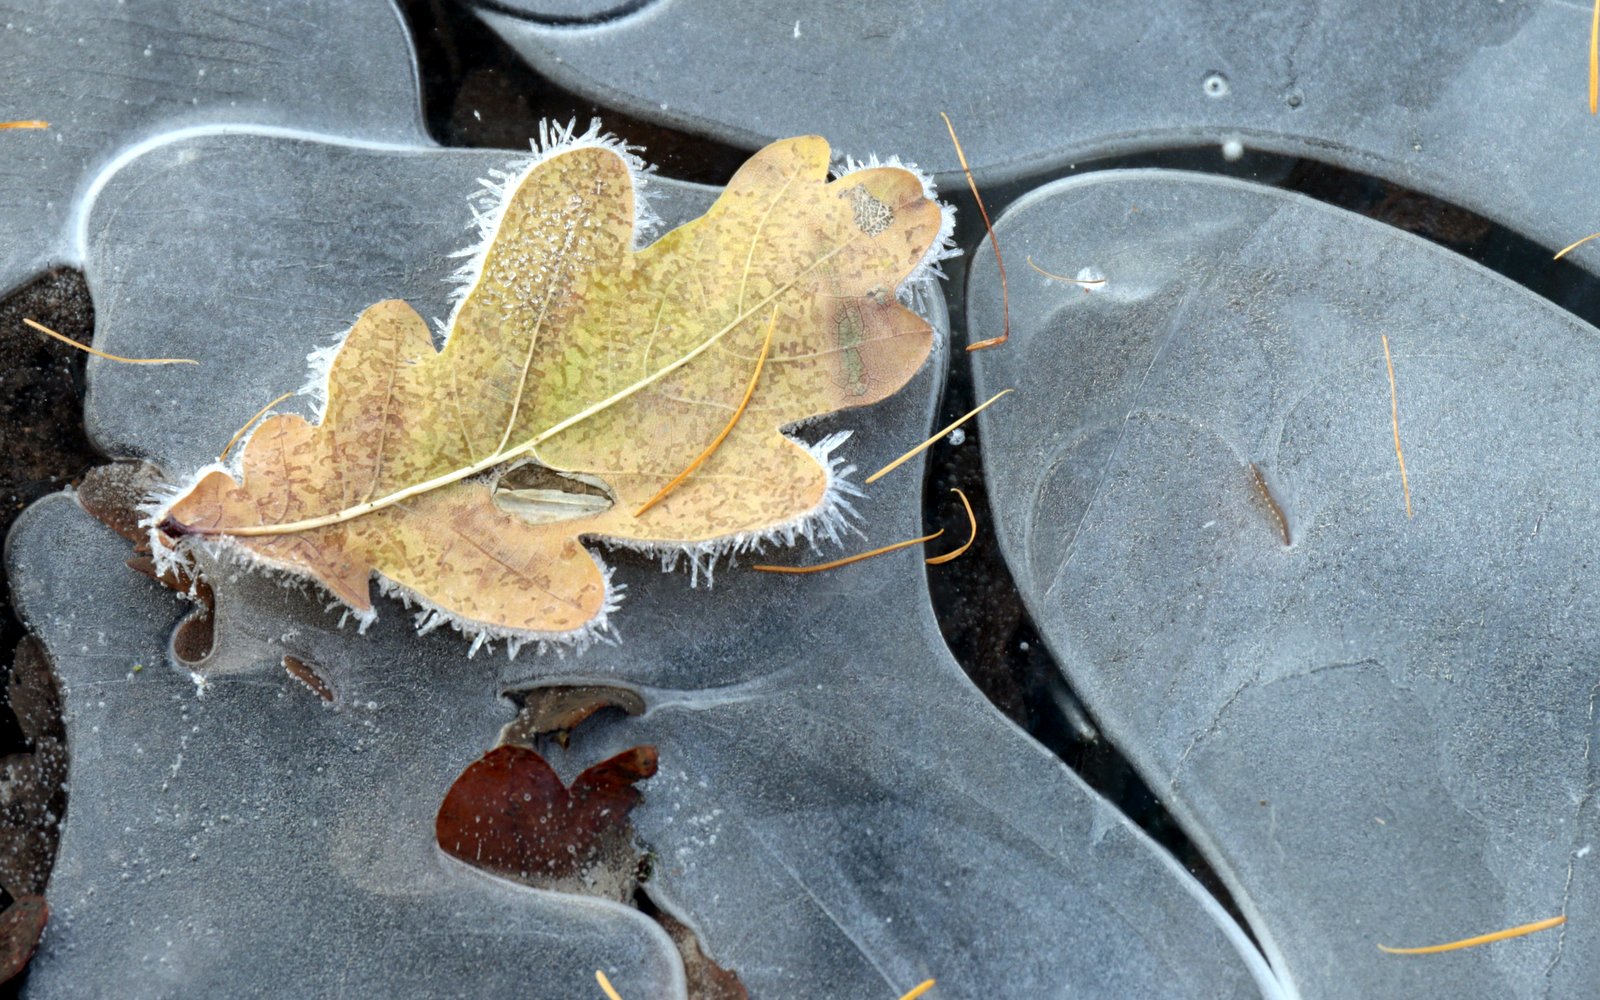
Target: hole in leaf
x=540 y=495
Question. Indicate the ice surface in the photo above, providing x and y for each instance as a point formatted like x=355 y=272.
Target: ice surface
x=1479 y=103
x=232 y=836
x=839 y=813
x=109 y=75
x=1383 y=731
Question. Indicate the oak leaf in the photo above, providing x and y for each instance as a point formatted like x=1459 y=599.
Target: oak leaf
x=579 y=377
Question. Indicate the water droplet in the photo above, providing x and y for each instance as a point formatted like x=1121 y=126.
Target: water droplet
x=1215 y=85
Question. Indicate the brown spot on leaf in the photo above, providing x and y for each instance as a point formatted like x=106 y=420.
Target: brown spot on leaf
x=509 y=814
x=872 y=216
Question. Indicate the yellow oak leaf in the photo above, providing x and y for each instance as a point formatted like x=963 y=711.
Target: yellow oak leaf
x=579 y=377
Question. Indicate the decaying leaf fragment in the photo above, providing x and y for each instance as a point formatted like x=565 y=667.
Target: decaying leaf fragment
x=578 y=378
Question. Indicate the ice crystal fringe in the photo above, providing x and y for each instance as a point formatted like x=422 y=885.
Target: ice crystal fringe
x=222 y=550
x=488 y=206
x=490 y=201
x=833 y=516
x=597 y=630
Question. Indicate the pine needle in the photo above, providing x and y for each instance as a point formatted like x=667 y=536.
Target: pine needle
x=247 y=424
x=1591 y=236
x=1005 y=291
x=750 y=390
x=605 y=984
x=102 y=354
x=919 y=989
x=924 y=446
x=972 y=520
x=847 y=560
x=1394 y=420
x=1594 y=61
x=30 y=123
x=1085 y=282
x=972 y=536
x=1473 y=942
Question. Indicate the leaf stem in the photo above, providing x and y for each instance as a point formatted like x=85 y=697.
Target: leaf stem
x=605 y=985
x=1594 y=60
x=1592 y=236
x=1085 y=282
x=506 y=454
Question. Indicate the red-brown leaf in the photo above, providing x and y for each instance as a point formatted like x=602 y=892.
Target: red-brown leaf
x=20 y=927
x=508 y=813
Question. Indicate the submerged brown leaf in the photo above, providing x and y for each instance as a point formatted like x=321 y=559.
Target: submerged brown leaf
x=21 y=926
x=609 y=370
x=509 y=814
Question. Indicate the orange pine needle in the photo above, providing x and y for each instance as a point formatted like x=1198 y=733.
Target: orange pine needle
x=919 y=989
x=972 y=536
x=240 y=432
x=30 y=123
x=1394 y=420
x=1005 y=291
x=750 y=390
x=1473 y=942
x=847 y=560
x=1591 y=236
x=605 y=984
x=102 y=354
x=1594 y=61
x=924 y=446
x=1085 y=282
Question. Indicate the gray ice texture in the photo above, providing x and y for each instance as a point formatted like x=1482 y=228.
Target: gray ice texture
x=1382 y=731
x=839 y=812
x=111 y=75
x=1481 y=104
